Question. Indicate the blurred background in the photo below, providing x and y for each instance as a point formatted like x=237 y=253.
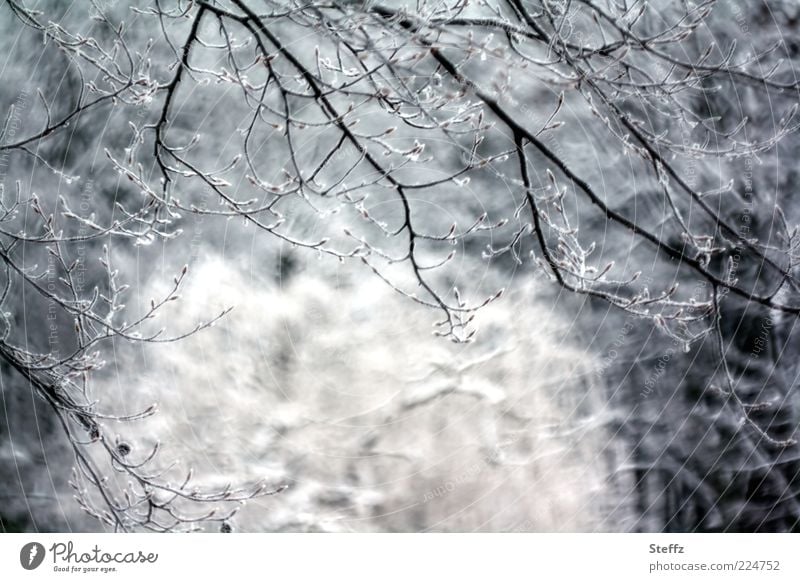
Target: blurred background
x=563 y=414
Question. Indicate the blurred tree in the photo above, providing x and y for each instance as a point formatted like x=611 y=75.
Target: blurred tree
x=362 y=116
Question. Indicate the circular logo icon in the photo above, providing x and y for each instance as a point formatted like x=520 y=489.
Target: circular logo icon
x=31 y=555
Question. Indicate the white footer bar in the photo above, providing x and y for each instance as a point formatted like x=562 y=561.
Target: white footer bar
x=401 y=557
